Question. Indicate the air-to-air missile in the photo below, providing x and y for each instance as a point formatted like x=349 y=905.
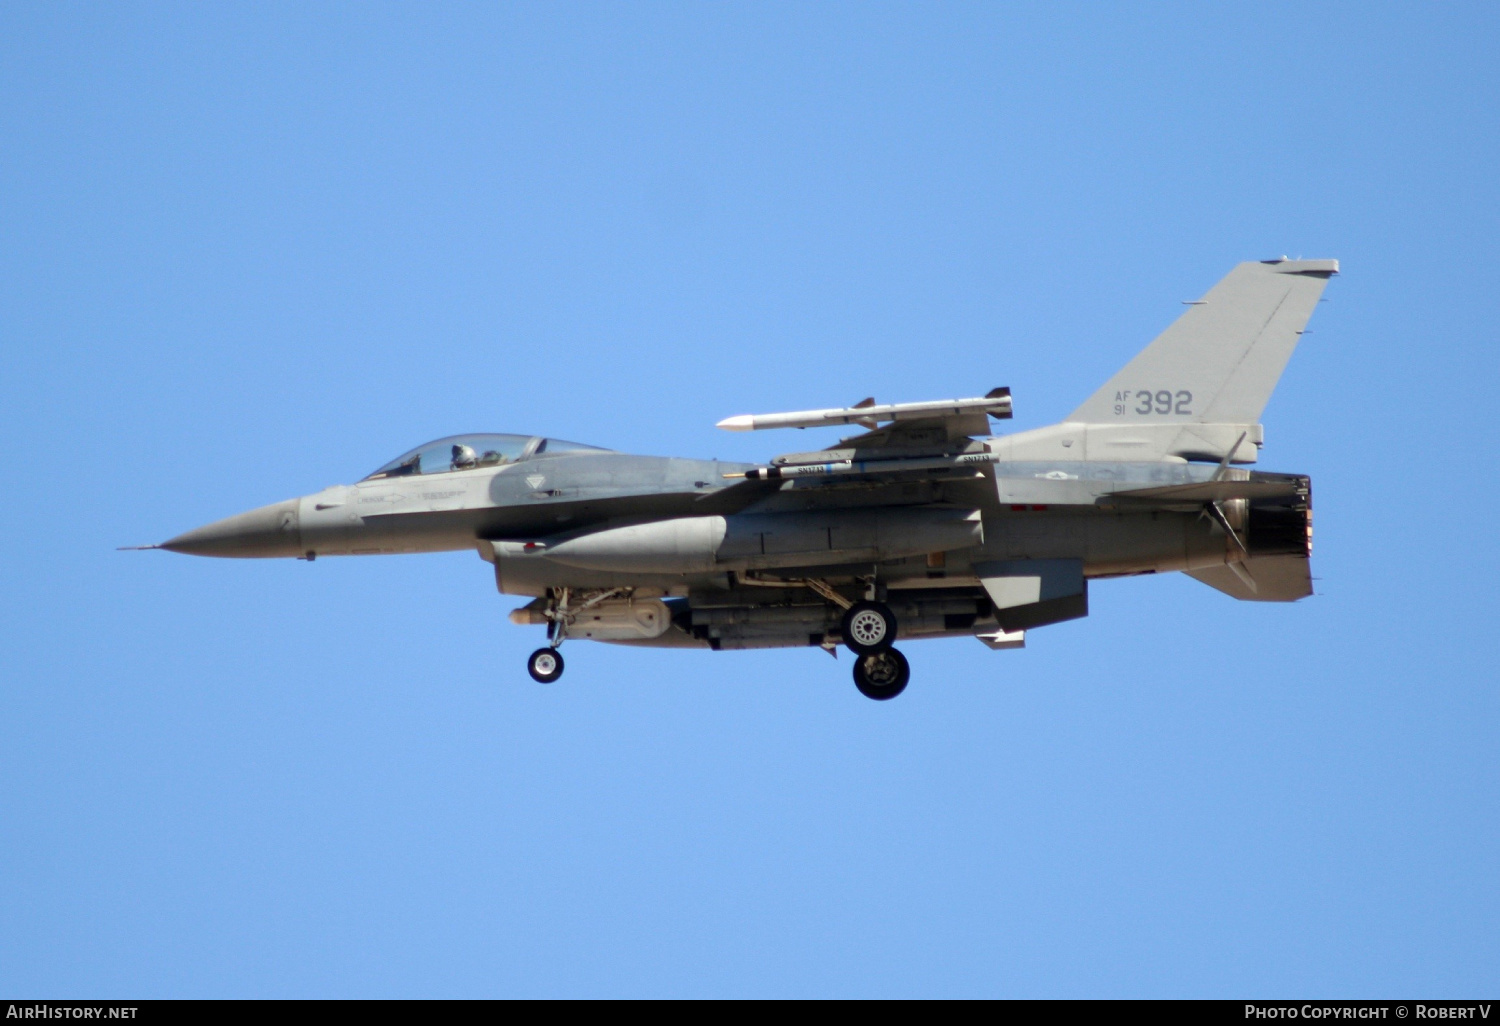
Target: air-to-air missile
x=922 y=525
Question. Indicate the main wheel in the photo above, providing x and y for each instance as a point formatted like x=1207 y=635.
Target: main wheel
x=545 y=665
x=883 y=675
x=869 y=627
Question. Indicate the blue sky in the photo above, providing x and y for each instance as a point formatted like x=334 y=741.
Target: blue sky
x=253 y=250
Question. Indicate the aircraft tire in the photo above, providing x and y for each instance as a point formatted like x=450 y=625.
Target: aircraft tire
x=883 y=675
x=545 y=665
x=869 y=627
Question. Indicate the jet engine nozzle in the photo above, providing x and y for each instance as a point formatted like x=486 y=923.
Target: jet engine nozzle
x=1281 y=527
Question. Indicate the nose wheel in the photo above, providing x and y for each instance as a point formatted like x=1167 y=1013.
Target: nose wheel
x=882 y=675
x=545 y=665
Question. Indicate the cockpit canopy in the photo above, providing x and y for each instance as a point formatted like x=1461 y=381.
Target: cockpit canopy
x=466 y=452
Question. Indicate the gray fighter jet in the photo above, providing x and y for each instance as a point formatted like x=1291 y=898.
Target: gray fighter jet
x=919 y=526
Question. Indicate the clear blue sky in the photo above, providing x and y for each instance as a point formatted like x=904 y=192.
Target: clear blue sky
x=247 y=251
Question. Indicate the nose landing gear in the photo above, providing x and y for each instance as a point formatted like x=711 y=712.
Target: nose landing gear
x=882 y=675
x=545 y=665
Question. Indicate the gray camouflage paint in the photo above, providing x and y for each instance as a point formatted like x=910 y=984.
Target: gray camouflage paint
x=1110 y=492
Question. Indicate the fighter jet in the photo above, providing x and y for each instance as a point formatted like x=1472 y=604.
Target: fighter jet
x=919 y=525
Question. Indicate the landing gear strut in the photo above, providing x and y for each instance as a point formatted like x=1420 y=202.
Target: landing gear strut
x=562 y=608
x=883 y=675
x=546 y=664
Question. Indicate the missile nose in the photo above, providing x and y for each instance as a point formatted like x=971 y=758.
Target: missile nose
x=268 y=531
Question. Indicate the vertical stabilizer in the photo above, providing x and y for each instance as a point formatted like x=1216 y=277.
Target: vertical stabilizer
x=1219 y=362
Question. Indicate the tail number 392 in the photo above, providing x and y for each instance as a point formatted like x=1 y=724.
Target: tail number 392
x=1161 y=402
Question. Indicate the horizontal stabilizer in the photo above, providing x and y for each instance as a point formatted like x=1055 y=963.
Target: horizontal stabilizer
x=1204 y=491
x=1277 y=579
x=996 y=404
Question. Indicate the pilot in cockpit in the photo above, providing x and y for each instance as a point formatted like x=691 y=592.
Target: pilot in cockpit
x=464 y=457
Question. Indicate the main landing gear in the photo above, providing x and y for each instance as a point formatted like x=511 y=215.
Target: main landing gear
x=869 y=627
x=880 y=672
x=883 y=675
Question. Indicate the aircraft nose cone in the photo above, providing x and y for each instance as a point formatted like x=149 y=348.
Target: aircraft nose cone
x=269 y=531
